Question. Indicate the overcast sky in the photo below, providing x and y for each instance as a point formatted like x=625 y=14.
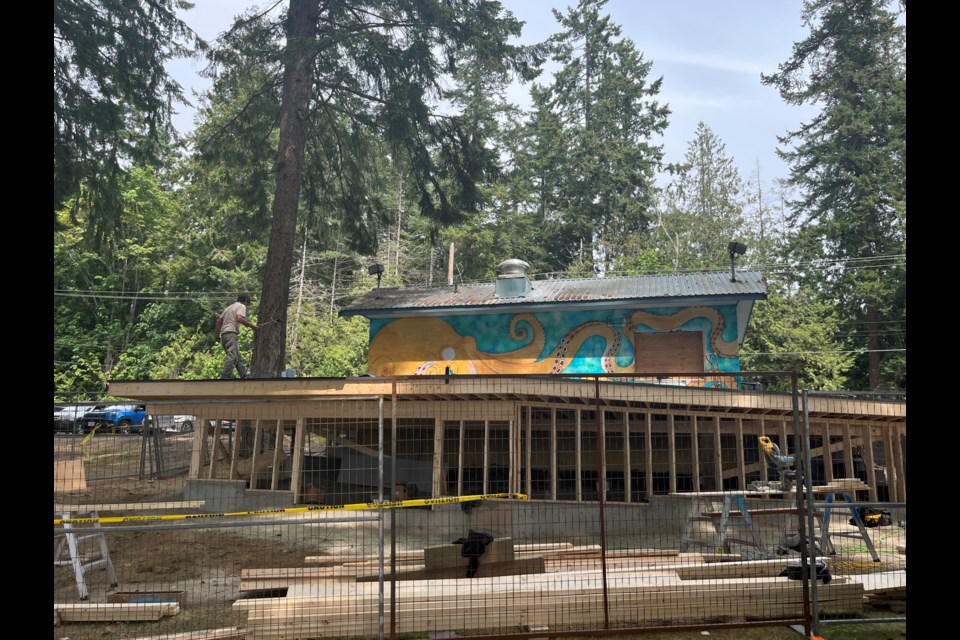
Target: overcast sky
x=709 y=53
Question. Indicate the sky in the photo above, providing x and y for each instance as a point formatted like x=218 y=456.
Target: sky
x=709 y=53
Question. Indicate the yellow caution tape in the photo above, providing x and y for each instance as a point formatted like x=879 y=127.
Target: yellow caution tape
x=386 y=504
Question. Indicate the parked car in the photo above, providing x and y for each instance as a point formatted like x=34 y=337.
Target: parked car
x=174 y=424
x=69 y=418
x=117 y=418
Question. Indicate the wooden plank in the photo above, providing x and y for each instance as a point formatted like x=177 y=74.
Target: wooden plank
x=226 y=633
x=115 y=612
x=501 y=549
x=68 y=475
x=485 y=569
x=770 y=598
x=147 y=596
x=120 y=507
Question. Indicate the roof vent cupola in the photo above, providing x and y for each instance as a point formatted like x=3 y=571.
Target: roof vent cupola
x=512 y=279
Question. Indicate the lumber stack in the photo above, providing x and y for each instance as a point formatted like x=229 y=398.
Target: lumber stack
x=893 y=598
x=555 y=601
x=842 y=485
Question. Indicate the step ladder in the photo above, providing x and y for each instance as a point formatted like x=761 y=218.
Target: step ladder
x=861 y=531
x=70 y=551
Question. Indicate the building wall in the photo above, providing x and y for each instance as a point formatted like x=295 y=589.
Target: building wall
x=599 y=341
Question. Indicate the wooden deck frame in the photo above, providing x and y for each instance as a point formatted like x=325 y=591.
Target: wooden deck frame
x=856 y=423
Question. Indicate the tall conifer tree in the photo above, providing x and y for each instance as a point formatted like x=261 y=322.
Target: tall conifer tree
x=849 y=164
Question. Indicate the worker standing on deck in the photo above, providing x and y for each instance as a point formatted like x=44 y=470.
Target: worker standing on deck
x=227 y=328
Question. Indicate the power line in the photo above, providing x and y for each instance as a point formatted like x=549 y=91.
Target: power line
x=806 y=353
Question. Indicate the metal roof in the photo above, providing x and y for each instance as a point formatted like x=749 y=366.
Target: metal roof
x=659 y=289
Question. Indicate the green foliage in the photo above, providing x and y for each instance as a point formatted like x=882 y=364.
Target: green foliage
x=795 y=331
x=849 y=164
x=702 y=207
x=113 y=98
x=608 y=114
x=331 y=349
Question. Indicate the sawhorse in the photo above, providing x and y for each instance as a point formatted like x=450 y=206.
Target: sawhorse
x=71 y=543
x=858 y=521
x=728 y=518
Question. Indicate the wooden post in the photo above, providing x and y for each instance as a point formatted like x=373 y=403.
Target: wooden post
x=741 y=459
x=848 y=452
x=215 y=447
x=257 y=442
x=868 y=460
x=695 y=452
x=278 y=455
x=460 y=460
x=764 y=471
x=672 y=447
x=579 y=457
x=235 y=454
x=438 y=488
x=827 y=453
x=296 y=468
x=486 y=457
x=627 y=477
x=514 y=485
x=901 y=469
x=553 y=453
x=718 y=466
x=648 y=441
x=529 y=452
x=200 y=448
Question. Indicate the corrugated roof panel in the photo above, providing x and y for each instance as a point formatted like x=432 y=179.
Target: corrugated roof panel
x=749 y=284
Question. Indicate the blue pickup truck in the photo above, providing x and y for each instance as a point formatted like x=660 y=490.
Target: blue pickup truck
x=116 y=418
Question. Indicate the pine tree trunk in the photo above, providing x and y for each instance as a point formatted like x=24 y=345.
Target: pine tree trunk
x=269 y=350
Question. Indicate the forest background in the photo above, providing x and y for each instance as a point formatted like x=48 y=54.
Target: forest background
x=337 y=135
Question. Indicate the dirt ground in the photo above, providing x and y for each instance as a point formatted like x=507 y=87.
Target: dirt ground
x=205 y=564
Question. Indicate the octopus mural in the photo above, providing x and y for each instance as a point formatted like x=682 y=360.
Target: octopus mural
x=432 y=346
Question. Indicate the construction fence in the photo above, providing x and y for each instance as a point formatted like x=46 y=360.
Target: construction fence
x=521 y=506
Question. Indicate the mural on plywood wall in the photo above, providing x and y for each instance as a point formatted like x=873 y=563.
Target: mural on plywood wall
x=539 y=343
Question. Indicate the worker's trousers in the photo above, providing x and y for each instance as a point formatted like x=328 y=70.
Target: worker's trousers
x=231 y=344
